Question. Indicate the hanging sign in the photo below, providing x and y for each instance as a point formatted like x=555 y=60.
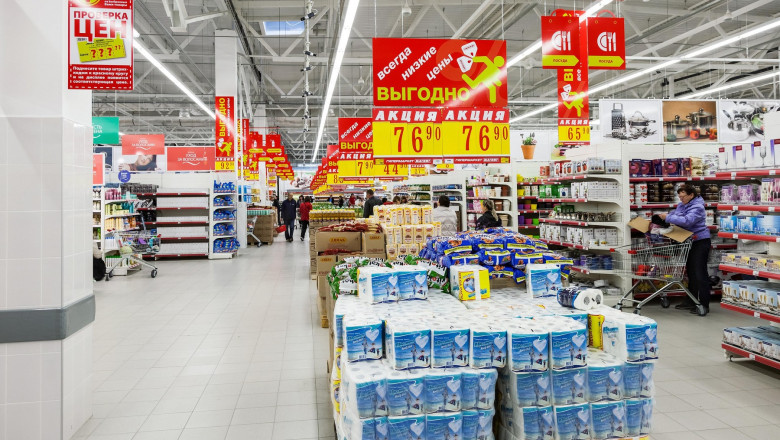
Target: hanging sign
x=98 y=168
x=560 y=41
x=225 y=133
x=418 y=170
x=407 y=136
x=356 y=149
x=193 y=158
x=100 y=44
x=475 y=136
x=105 y=130
x=438 y=72
x=573 y=119
x=606 y=43
x=143 y=144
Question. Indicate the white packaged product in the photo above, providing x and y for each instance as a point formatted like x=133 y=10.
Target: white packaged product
x=530 y=389
x=488 y=346
x=447 y=426
x=442 y=390
x=449 y=344
x=406 y=392
x=529 y=348
x=572 y=422
x=412 y=282
x=639 y=416
x=364 y=389
x=580 y=297
x=568 y=386
x=486 y=388
x=533 y=423
x=407 y=427
x=353 y=427
x=362 y=338
x=638 y=379
x=630 y=338
x=608 y=420
x=568 y=341
x=478 y=424
x=605 y=377
x=543 y=279
x=407 y=343
x=377 y=284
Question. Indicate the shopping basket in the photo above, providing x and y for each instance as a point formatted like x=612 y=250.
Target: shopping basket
x=659 y=260
x=132 y=246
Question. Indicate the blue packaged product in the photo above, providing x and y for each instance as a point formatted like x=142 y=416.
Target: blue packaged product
x=521 y=260
x=487 y=245
x=573 y=422
x=495 y=257
x=531 y=389
x=633 y=417
x=632 y=379
x=642 y=341
x=405 y=393
x=362 y=338
x=450 y=346
x=500 y=272
x=569 y=347
x=605 y=379
x=485 y=424
x=519 y=276
x=367 y=394
x=521 y=248
x=488 y=347
x=528 y=349
x=381 y=429
x=407 y=344
x=540 y=245
x=407 y=427
x=412 y=282
x=465 y=259
x=486 y=391
x=469 y=386
x=608 y=419
x=444 y=426
x=442 y=390
x=543 y=279
x=569 y=386
x=377 y=284
x=359 y=428
x=470 y=424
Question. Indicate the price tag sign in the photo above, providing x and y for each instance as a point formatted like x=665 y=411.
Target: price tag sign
x=407 y=136
x=224 y=165
x=391 y=170
x=575 y=134
x=418 y=171
x=101 y=49
x=476 y=136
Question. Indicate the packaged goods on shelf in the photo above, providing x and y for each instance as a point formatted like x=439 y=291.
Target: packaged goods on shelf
x=182 y=231
x=673 y=167
x=763 y=341
x=184 y=248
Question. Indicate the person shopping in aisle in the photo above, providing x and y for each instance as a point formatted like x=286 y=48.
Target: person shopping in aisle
x=396 y=201
x=304 y=209
x=444 y=215
x=288 y=215
x=351 y=200
x=371 y=201
x=690 y=215
x=341 y=201
x=489 y=218
x=278 y=207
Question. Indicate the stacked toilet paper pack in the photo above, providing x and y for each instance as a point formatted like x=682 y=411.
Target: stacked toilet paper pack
x=439 y=368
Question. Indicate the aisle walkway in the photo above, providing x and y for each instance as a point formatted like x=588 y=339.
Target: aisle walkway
x=233 y=350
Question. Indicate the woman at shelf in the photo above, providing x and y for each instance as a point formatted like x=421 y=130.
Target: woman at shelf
x=444 y=215
x=489 y=218
x=690 y=215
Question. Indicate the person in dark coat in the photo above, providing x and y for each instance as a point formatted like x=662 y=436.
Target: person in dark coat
x=278 y=207
x=289 y=211
x=371 y=201
x=489 y=218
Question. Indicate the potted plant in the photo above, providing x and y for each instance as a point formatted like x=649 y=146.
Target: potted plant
x=529 y=145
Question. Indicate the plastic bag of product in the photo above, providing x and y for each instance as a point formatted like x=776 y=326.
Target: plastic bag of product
x=495 y=257
x=500 y=272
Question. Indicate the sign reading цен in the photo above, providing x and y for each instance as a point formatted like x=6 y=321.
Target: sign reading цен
x=143 y=144
x=439 y=73
x=190 y=158
x=100 y=44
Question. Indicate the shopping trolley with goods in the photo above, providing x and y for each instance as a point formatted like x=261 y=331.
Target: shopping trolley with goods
x=132 y=246
x=658 y=260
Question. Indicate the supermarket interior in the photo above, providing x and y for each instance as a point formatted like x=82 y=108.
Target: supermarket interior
x=389 y=220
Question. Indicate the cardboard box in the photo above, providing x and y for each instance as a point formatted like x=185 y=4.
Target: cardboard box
x=350 y=241
x=324 y=264
x=677 y=234
x=374 y=242
x=323 y=290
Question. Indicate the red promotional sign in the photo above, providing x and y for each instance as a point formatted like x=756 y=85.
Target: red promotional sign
x=190 y=158
x=98 y=168
x=438 y=72
x=560 y=41
x=224 y=132
x=146 y=144
x=356 y=136
x=573 y=107
x=606 y=43
x=100 y=44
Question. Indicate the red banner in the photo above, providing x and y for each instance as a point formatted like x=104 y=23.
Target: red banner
x=606 y=43
x=98 y=168
x=438 y=72
x=225 y=132
x=356 y=136
x=100 y=44
x=190 y=158
x=561 y=42
x=146 y=144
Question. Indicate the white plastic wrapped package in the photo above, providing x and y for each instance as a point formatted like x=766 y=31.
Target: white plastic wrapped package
x=630 y=338
x=362 y=338
x=605 y=377
x=543 y=279
x=442 y=390
x=529 y=348
x=406 y=393
x=638 y=379
x=639 y=416
x=488 y=346
x=364 y=390
x=381 y=429
x=469 y=386
x=406 y=427
x=469 y=282
x=580 y=297
x=412 y=282
x=572 y=422
x=568 y=386
x=478 y=424
x=486 y=391
x=568 y=341
x=608 y=420
x=407 y=343
x=530 y=389
x=354 y=427
x=445 y=426
x=377 y=284
x=534 y=423
x=344 y=304
x=449 y=344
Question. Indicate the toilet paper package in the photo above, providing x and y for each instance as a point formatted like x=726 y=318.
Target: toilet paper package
x=442 y=390
x=486 y=390
x=381 y=428
x=579 y=297
x=572 y=422
x=535 y=423
x=568 y=386
x=469 y=282
x=543 y=279
x=478 y=424
x=487 y=346
x=412 y=282
x=605 y=377
x=608 y=420
x=447 y=426
x=407 y=343
x=362 y=338
x=630 y=338
x=449 y=344
x=530 y=389
x=528 y=348
x=357 y=428
x=364 y=390
x=406 y=393
x=378 y=284
x=470 y=422
x=638 y=379
x=639 y=415
x=407 y=427
x=469 y=386
x=568 y=342
x=344 y=304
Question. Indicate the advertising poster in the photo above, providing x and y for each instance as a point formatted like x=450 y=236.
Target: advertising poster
x=142 y=162
x=190 y=158
x=225 y=133
x=632 y=120
x=421 y=72
x=108 y=152
x=98 y=168
x=143 y=152
x=105 y=130
x=743 y=120
x=606 y=43
x=689 y=121
x=100 y=44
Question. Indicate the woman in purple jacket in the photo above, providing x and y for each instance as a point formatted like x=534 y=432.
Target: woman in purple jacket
x=690 y=215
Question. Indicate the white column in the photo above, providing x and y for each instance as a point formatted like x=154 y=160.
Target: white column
x=226 y=67
x=45 y=220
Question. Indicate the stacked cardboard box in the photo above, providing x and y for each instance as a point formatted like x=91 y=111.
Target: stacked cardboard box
x=265 y=229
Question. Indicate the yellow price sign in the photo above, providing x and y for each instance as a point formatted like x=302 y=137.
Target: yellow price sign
x=391 y=170
x=224 y=165
x=573 y=134
x=418 y=171
x=410 y=136
x=101 y=49
x=356 y=168
x=476 y=135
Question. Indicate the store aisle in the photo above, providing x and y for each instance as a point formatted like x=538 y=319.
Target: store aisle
x=233 y=350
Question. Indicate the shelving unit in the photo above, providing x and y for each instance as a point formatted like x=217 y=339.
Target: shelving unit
x=731 y=350
x=444 y=186
x=214 y=209
x=180 y=221
x=97 y=216
x=750 y=312
x=747 y=271
x=752 y=208
x=755 y=237
x=508 y=200
x=110 y=245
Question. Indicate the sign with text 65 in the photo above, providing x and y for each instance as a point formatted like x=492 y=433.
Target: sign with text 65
x=407 y=136
x=476 y=136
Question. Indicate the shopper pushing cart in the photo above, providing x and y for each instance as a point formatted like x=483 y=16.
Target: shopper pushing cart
x=132 y=246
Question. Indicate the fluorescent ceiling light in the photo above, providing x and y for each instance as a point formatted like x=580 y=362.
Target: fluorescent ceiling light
x=732 y=85
x=283 y=28
x=346 y=29
x=156 y=63
x=756 y=30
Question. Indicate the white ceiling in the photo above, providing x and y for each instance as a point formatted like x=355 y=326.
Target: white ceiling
x=271 y=65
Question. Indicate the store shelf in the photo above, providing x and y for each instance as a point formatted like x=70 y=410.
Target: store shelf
x=95 y=226
x=556 y=221
x=667 y=205
x=170 y=239
x=576 y=246
x=534 y=211
x=564 y=200
x=756 y=237
x=176 y=255
x=122 y=215
x=750 y=312
x=448 y=190
x=724 y=246
x=224 y=221
x=676 y=179
x=220 y=193
x=748 y=271
x=527 y=197
x=221 y=207
x=177 y=223
x=108 y=202
x=752 y=356
x=528 y=227
x=558 y=179
x=586 y=271
x=186 y=194
x=748 y=173
x=754 y=208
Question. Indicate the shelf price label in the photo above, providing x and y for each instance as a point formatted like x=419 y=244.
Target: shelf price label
x=224 y=165
x=476 y=136
x=407 y=136
x=575 y=134
x=388 y=170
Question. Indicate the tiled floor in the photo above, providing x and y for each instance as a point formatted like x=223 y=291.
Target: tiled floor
x=233 y=350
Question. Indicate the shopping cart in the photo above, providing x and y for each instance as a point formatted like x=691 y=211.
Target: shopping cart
x=132 y=246
x=250 y=229
x=659 y=260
